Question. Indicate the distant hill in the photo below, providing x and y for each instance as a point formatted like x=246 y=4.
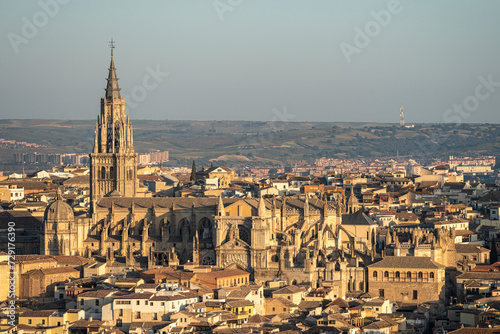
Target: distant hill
x=249 y=143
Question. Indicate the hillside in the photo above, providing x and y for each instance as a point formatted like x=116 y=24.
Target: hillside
x=250 y=143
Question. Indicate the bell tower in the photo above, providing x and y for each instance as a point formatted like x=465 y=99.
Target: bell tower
x=113 y=162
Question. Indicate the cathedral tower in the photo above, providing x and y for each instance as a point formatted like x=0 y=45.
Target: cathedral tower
x=113 y=163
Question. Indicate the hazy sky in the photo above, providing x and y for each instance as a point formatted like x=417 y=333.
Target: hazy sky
x=318 y=60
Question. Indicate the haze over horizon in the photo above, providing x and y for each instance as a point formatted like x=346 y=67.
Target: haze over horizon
x=293 y=60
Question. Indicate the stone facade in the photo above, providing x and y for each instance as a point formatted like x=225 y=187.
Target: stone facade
x=438 y=244
x=113 y=162
x=299 y=239
x=407 y=279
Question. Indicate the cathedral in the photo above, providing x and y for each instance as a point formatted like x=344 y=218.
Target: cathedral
x=294 y=238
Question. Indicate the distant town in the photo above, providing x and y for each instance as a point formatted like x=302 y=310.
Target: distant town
x=112 y=241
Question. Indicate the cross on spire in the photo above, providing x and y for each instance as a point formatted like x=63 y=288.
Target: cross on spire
x=111 y=46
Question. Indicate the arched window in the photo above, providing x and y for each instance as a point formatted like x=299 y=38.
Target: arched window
x=408 y=274
x=274 y=258
x=244 y=235
x=208 y=260
x=374 y=274
x=205 y=230
x=397 y=274
x=431 y=275
x=420 y=274
x=103 y=173
x=112 y=172
x=386 y=274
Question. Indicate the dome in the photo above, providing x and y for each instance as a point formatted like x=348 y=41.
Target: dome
x=58 y=210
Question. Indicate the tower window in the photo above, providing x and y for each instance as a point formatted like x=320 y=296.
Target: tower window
x=103 y=173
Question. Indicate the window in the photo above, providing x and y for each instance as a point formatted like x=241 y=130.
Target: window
x=386 y=274
x=274 y=309
x=162 y=303
x=138 y=302
x=284 y=309
x=155 y=316
x=97 y=302
x=145 y=302
x=81 y=302
x=398 y=274
x=120 y=312
x=29 y=321
x=431 y=275
x=43 y=321
x=420 y=274
x=381 y=293
x=151 y=303
x=408 y=274
x=137 y=315
x=374 y=274
x=119 y=323
x=415 y=294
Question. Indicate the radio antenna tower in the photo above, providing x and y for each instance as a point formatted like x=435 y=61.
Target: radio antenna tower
x=401 y=116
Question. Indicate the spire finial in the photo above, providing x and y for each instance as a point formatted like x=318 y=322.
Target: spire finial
x=111 y=46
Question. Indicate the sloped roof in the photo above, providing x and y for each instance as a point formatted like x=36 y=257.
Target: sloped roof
x=468 y=248
x=290 y=289
x=407 y=262
x=357 y=218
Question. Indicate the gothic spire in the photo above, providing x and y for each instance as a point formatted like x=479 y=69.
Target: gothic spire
x=220 y=208
x=112 y=89
x=193 y=172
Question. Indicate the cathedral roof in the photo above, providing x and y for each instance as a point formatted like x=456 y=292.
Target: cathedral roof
x=210 y=203
x=357 y=218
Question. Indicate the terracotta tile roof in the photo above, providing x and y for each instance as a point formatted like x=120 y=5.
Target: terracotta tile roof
x=96 y=293
x=475 y=330
x=258 y=319
x=146 y=295
x=149 y=325
x=339 y=302
x=222 y=274
x=36 y=314
x=239 y=303
x=86 y=324
x=478 y=275
x=52 y=271
x=291 y=289
x=406 y=262
x=468 y=248
x=283 y=301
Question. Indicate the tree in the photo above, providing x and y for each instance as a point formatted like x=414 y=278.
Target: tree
x=193 y=172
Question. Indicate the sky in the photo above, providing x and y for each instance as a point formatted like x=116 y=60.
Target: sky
x=257 y=60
